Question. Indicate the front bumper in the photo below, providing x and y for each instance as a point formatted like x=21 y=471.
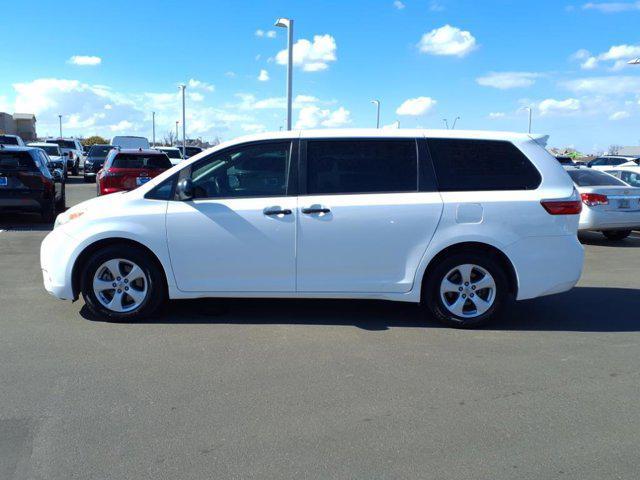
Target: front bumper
x=56 y=252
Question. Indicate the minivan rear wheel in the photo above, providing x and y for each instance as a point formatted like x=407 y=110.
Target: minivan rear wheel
x=467 y=290
x=122 y=283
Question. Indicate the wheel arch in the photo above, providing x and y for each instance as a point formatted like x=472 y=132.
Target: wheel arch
x=468 y=247
x=90 y=249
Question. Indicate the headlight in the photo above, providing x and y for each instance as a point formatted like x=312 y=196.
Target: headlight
x=67 y=216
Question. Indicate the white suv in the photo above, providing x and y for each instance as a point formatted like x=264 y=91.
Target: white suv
x=460 y=221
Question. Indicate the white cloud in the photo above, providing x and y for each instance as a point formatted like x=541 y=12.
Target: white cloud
x=303 y=99
x=85 y=60
x=259 y=33
x=398 y=4
x=263 y=76
x=253 y=127
x=416 y=106
x=230 y=74
x=311 y=56
x=262 y=34
x=612 y=7
x=313 y=116
x=608 y=85
x=195 y=96
x=447 y=40
x=248 y=101
x=271 y=34
x=621 y=115
x=121 y=126
x=436 y=6
x=617 y=56
x=495 y=115
x=507 y=80
x=551 y=106
x=199 y=85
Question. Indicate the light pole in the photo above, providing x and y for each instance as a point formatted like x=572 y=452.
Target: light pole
x=454 y=123
x=60 y=123
x=288 y=24
x=176 y=142
x=635 y=61
x=184 y=126
x=530 y=117
x=377 y=104
x=153 y=127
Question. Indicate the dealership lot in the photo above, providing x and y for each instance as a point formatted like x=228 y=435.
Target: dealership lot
x=318 y=389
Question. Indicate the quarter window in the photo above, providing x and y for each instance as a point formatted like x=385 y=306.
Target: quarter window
x=258 y=170
x=481 y=165
x=361 y=166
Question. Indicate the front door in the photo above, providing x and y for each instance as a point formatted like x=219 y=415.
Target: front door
x=238 y=233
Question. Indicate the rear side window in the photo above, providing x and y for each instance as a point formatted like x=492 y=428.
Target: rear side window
x=594 y=178
x=99 y=150
x=64 y=143
x=8 y=140
x=481 y=165
x=127 y=160
x=361 y=166
x=16 y=161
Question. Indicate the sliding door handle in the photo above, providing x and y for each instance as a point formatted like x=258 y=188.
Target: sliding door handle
x=315 y=209
x=272 y=211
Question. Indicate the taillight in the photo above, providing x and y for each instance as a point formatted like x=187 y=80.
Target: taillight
x=594 y=199
x=562 y=207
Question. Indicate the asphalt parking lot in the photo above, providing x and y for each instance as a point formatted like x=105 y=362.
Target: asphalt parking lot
x=318 y=389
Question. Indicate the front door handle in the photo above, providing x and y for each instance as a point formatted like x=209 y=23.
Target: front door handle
x=271 y=211
x=315 y=209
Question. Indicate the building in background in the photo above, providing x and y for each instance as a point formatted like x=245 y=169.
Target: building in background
x=629 y=151
x=21 y=124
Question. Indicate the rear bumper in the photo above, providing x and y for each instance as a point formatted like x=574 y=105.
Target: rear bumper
x=546 y=265
x=30 y=201
x=591 y=219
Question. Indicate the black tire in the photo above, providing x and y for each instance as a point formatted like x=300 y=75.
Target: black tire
x=86 y=179
x=432 y=298
x=75 y=170
x=616 y=235
x=48 y=213
x=61 y=204
x=156 y=290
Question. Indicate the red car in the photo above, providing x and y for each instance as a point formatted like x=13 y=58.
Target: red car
x=128 y=169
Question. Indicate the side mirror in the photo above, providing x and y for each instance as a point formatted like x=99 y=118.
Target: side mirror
x=185 y=189
x=65 y=154
x=57 y=175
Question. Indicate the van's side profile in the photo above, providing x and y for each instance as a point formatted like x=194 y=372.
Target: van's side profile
x=460 y=221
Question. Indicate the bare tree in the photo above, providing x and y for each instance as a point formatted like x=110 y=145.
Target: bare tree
x=614 y=149
x=169 y=138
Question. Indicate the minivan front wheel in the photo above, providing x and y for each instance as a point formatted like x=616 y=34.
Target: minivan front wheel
x=121 y=283
x=467 y=290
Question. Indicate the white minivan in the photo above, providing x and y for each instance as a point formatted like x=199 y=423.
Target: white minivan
x=462 y=222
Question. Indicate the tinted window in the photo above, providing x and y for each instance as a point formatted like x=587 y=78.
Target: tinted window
x=593 y=178
x=631 y=178
x=131 y=160
x=164 y=191
x=64 y=143
x=361 y=166
x=251 y=171
x=173 y=153
x=7 y=140
x=191 y=151
x=16 y=161
x=99 y=150
x=468 y=165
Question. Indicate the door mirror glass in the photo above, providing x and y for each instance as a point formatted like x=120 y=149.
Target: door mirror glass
x=57 y=175
x=184 y=189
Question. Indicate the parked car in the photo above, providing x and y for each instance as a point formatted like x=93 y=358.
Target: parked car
x=129 y=142
x=565 y=160
x=126 y=169
x=11 y=140
x=73 y=149
x=94 y=161
x=629 y=175
x=610 y=205
x=174 y=154
x=56 y=159
x=27 y=184
x=608 y=161
x=460 y=221
x=190 y=151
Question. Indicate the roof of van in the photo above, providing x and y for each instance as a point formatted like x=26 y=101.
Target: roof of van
x=391 y=133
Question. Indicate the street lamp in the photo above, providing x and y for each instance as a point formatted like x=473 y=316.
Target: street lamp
x=530 y=117
x=184 y=126
x=454 y=123
x=176 y=142
x=288 y=24
x=635 y=61
x=60 y=122
x=377 y=104
x=153 y=127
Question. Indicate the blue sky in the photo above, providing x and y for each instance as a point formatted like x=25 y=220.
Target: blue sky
x=106 y=66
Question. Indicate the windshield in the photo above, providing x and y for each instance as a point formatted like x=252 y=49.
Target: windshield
x=64 y=143
x=16 y=161
x=99 y=150
x=594 y=178
x=131 y=160
x=172 y=153
x=8 y=140
x=51 y=150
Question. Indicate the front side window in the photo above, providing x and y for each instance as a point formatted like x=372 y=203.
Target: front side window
x=481 y=165
x=361 y=166
x=258 y=170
